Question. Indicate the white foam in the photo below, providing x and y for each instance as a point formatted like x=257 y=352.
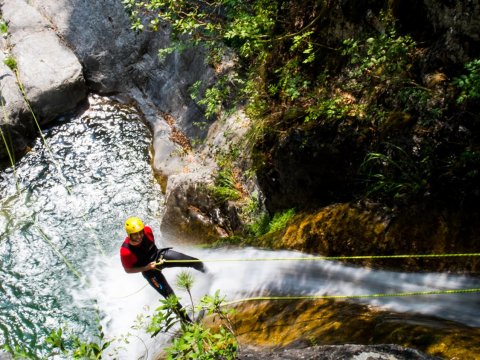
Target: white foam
x=122 y=297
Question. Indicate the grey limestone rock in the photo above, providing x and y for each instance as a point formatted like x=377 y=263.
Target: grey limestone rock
x=48 y=70
x=45 y=70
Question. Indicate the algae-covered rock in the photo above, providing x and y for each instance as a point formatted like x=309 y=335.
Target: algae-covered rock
x=335 y=352
x=353 y=229
x=301 y=324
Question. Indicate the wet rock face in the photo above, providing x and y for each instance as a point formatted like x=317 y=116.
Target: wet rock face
x=449 y=29
x=49 y=72
x=185 y=216
x=118 y=60
x=312 y=329
x=309 y=167
x=363 y=229
x=335 y=352
x=15 y=121
x=193 y=215
x=58 y=43
x=99 y=34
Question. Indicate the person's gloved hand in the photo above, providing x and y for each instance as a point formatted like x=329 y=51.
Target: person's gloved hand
x=150 y=266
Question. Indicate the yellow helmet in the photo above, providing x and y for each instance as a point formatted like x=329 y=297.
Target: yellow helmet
x=133 y=225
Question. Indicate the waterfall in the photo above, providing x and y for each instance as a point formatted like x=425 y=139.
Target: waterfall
x=61 y=226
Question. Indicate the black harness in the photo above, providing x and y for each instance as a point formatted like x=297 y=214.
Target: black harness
x=145 y=253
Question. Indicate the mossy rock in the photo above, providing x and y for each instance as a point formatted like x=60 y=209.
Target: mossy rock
x=351 y=229
x=287 y=324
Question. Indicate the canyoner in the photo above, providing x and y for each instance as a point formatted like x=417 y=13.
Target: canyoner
x=139 y=253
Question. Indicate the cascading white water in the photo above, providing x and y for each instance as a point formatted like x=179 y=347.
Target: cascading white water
x=122 y=297
x=102 y=159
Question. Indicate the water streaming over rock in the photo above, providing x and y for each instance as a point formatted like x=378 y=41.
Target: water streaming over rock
x=61 y=224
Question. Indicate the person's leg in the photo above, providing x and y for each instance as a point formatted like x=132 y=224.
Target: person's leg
x=169 y=254
x=159 y=283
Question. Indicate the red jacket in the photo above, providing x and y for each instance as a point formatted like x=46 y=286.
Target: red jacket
x=140 y=255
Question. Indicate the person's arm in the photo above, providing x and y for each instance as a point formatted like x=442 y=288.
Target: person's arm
x=133 y=270
x=128 y=260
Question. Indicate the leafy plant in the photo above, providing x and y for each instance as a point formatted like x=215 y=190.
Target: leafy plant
x=185 y=282
x=280 y=220
x=18 y=352
x=77 y=348
x=265 y=224
x=469 y=84
x=71 y=347
x=242 y=25
x=291 y=83
x=201 y=343
x=261 y=226
x=330 y=108
x=216 y=96
x=395 y=174
x=251 y=207
x=386 y=56
x=245 y=27
x=470 y=159
x=463 y=167
x=380 y=61
x=166 y=317
x=193 y=340
x=226 y=185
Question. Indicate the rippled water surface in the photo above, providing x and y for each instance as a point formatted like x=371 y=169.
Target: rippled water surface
x=62 y=208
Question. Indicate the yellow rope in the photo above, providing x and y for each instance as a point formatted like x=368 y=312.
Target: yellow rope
x=52 y=157
x=365 y=296
x=10 y=153
x=317 y=297
x=315 y=258
x=60 y=255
